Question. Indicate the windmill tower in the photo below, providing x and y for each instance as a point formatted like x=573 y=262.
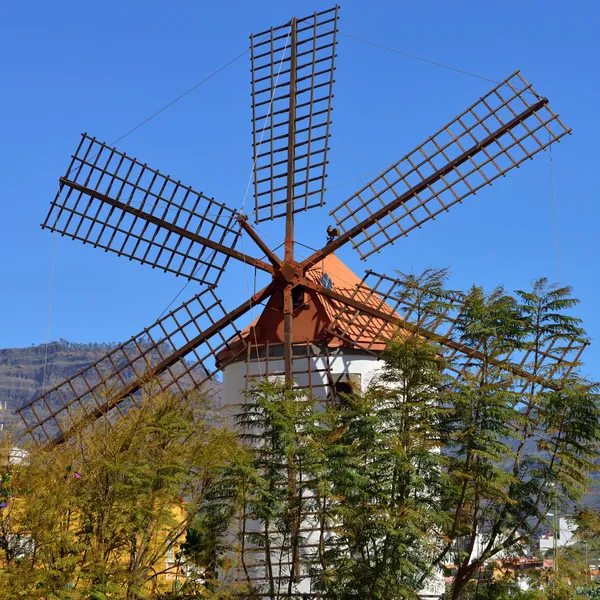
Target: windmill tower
x=322 y=327
x=323 y=363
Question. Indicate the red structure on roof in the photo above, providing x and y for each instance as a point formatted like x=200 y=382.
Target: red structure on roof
x=315 y=315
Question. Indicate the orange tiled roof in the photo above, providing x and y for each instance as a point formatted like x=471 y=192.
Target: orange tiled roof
x=316 y=321
x=360 y=328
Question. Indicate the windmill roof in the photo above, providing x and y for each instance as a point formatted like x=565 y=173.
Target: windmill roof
x=316 y=322
x=360 y=328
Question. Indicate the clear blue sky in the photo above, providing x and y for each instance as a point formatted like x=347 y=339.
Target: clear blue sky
x=101 y=67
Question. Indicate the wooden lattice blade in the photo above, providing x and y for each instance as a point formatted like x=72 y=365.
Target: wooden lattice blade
x=381 y=306
x=309 y=114
x=497 y=133
x=313 y=367
x=81 y=212
x=176 y=353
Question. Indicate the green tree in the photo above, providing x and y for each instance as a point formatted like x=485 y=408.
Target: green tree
x=280 y=488
x=439 y=461
x=516 y=444
x=102 y=514
x=427 y=467
x=383 y=466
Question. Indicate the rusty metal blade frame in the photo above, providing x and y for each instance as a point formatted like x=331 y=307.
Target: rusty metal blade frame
x=388 y=322
x=291 y=106
x=169 y=227
x=490 y=138
x=319 y=378
x=154 y=235
x=177 y=353
x=552 y=360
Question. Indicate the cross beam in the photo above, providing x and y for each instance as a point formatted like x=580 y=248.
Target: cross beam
x=133 y=387
x=136 y=212
x=273 y=258
x=402 y=324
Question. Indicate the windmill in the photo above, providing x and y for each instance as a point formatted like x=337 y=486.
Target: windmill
x=315 y=307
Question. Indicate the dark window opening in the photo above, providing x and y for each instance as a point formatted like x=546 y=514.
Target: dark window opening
x=297 y=297
x=346 y=385
x=343 y=387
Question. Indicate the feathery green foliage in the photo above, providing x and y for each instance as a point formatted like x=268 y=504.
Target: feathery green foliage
x=98 y=517
x=440 y=460
x=384 y=468
x=426 y=468
x=515 y=443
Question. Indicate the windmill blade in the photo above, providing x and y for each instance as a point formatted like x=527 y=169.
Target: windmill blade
x=292 y=70
x=376 y=311
x=311 y=370
x=115 y=202
x=177 y=353
x=497 y=133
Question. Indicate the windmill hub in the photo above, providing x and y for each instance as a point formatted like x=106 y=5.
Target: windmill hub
x=290 y=271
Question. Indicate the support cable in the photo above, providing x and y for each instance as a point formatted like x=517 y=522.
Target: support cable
x=180 y=97
x=414 y=56
x=160 y=110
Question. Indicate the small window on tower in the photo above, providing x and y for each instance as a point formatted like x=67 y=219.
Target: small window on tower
x=343 y=387
x=346 y=384
x=298 y=299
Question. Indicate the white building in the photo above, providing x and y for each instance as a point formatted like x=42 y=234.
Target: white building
x=566 y=533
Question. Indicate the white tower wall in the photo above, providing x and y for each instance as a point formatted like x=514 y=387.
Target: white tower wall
x=364 y=365
x=359 y=369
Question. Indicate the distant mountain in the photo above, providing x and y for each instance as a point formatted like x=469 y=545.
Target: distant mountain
x=22 y=371
x=592 y=499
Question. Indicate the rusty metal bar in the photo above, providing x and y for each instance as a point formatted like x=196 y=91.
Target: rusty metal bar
x=273 y=258
x=103 y=385
x=149 y=218
x=98 y=172
x=291 y=151
x=494 y=128
x=288 y=319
